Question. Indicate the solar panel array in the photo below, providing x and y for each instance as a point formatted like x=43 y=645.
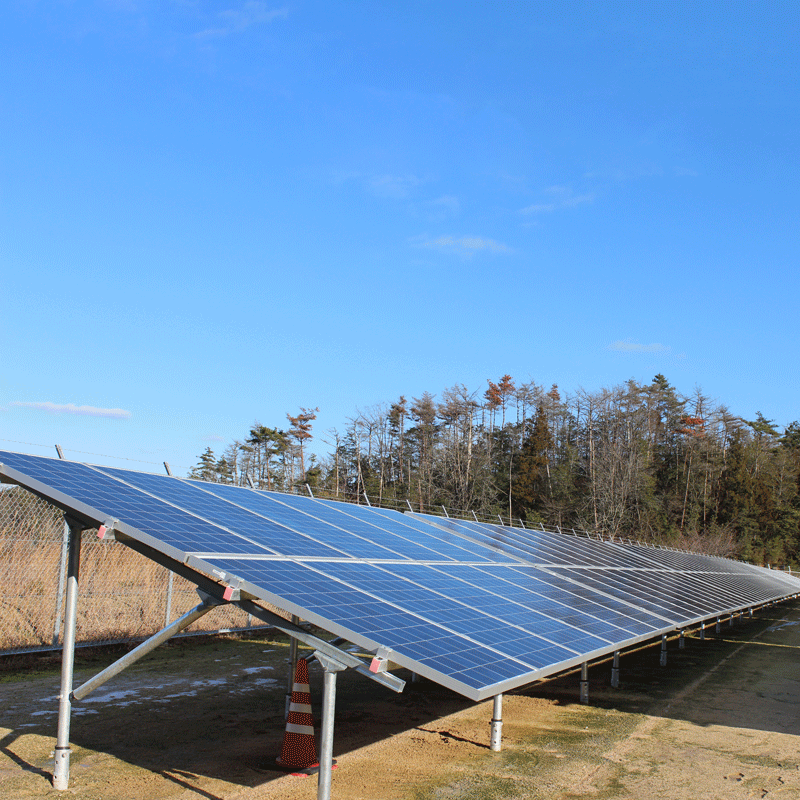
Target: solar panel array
x=478 y=608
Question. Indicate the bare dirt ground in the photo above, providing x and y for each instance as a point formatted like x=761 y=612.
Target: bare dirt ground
x=204 y=719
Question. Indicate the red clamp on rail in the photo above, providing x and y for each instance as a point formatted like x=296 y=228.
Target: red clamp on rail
x=380 y=662
x=106 y=530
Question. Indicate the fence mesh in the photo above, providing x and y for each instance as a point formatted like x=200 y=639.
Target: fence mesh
x=122 y=595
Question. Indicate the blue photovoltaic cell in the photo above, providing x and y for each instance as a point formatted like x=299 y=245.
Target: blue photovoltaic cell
x=655 y=591
x=540 y=547
x=306 y=518
x=317 y=596
x=481 y=608
x=266 y=533
x=114 y=499
x=468 y=549
x=584 y=600
x=537 y=600
x=424 y=541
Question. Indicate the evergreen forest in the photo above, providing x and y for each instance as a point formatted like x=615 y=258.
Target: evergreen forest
x=635 y=461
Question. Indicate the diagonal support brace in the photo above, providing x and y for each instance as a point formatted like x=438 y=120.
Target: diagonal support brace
x=208 y=602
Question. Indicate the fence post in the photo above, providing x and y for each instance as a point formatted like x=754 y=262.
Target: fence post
x=168 y=609
x=62 y=567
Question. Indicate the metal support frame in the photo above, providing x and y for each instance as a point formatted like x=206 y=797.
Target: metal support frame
x=496 y=738
x=213 y=594
x=279 y=623
x=615 y=670
x=681 y=640
x=663 y=659
x=62 y=751
x=702 y=631
x=331 y=667
x=717 y=627
x=730 y=621
x=585 y=682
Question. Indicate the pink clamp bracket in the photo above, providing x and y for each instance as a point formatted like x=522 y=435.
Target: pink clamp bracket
x=380 y=662
x=106 y=530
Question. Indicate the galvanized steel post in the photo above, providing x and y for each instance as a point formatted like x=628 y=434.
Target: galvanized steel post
x=663 y=660
x=331 y=667
x=615 y=670
x=702 y=631
x=681 y=641
x=496 y=740
x=719 y=622
x=292 y=668
x=62 y=751
x=585 y=682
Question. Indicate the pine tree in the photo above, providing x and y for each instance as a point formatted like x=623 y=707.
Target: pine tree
x=206 y=468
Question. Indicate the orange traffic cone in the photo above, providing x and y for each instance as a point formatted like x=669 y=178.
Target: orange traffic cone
x=299 y=751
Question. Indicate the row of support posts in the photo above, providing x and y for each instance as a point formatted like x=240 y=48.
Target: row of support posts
x=584 y=680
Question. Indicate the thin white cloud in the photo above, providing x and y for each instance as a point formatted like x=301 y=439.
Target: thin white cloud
x=236 y=20
x=559 y=197
x=71 y=408
x=392 y=186
x=214 y=437
x=634 y=347
x=385 y=185
x=445 y=207
x=466 y=245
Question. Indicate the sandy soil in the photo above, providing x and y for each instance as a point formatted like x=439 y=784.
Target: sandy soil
x=204 y=719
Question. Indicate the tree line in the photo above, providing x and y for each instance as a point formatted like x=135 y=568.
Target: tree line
x=641 y=461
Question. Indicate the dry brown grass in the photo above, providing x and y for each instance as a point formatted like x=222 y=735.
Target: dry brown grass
x=122 y=595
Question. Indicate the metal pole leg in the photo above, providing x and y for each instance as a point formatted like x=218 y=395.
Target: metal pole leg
x=292 y=668
x=615 y=670
x=681 y=641
x=730 y=621
x=497 y=723
x=663 y=660
x=585 y=682
x=702 y=631
x=62 y=751
x=716 y=629
x=331 y=667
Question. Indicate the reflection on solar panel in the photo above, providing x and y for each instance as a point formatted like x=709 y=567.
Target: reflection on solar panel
x=478 y=608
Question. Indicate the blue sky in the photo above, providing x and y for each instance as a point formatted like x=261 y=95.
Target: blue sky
x=213 y=213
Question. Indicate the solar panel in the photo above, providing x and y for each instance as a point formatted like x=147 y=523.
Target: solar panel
x=478 y=608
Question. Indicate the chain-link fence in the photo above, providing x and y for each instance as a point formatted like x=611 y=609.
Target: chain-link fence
x=122 y=594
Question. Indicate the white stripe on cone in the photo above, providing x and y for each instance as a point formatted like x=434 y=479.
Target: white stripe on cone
x=300 y=687
x=301 y=708
x=291 y=727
